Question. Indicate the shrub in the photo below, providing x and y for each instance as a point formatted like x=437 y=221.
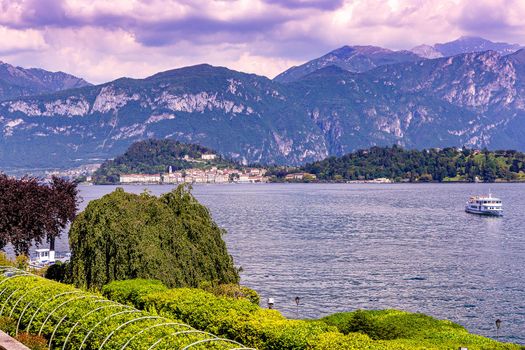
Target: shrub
x=237 y=319
x=363 y=322
x=390 y=324
x=394 y=329
x=7 y=324
x=5 y=261
x=22 y=262
x=231 y=290
x=32 y=341
x=58 y=272
x=246 y=322
x=336 y=340
x=72 y=317
x=130 y=292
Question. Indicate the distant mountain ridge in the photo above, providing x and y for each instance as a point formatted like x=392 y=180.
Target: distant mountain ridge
x=18 y=82
x=464 y=44
x=472 y=99
x=360 y=59
x=351 y=58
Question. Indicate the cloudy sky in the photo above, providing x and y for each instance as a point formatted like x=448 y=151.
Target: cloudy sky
x=101 y=40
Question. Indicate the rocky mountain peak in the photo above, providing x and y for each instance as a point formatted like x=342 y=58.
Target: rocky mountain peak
x=359 y=58
x=518 y=57
x=467 y=44
x=426 y=51
x=17 y=81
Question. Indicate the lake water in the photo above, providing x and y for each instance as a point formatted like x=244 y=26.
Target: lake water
x=404 y=246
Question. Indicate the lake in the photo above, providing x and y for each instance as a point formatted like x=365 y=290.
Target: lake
x=341 y=247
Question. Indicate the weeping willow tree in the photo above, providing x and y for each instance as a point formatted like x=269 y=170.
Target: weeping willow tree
x=171 y=238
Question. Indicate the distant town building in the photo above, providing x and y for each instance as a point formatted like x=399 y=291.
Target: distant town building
x=195 y=175
x=300 y=176
x=140 y=178
x=209 y=156
x=380 y=180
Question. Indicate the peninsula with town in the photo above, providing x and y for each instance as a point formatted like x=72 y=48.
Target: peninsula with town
x=171 y=162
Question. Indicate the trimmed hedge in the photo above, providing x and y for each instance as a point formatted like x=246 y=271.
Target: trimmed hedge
x=404 y=330
x=68 y=317
x=237 y=319
x=247 y=323
x=130 y=292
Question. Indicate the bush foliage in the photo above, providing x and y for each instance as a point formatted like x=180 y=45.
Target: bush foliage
x=45 y=313
x=171 y=238
x=403 y=330
x=231 y=290
x=131 y=292
x=59 y=271
x=246 y=322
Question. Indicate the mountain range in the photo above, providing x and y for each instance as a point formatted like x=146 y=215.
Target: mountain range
x=476 y=99
x=464 y=44
x=18 y=82
x=364 y=58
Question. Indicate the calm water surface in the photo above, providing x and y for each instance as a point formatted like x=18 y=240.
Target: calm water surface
x=403 y=246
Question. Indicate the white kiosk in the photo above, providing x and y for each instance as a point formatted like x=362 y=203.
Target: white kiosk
x=45 y=256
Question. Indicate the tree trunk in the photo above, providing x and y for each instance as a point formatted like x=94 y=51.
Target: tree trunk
x=52 y=243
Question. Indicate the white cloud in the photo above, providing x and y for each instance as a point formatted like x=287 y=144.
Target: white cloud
x=14 y=41
x=102 y=40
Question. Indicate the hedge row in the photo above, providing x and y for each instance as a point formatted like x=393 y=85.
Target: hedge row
x=394 y=328
x=265 y=329
x=72 y=319
x=237 y=319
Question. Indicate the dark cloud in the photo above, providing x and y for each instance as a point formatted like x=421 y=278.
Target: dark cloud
x=42 y=13
x=486 y=19
x=155 y=33
x=204 y=29
x=45 y=12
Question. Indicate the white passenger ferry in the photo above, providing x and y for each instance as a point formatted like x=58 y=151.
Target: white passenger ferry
x=484 y=205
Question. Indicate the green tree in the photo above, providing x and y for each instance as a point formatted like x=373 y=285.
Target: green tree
x=172 y=238
x=489 y=169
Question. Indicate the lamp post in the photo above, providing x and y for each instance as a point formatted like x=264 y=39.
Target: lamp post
x=498 y=325
x=297 y=301
x=270 y=303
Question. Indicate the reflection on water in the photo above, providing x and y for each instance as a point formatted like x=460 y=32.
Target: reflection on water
x=343 y=247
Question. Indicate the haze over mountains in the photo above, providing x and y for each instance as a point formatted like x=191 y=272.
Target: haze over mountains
x=366 y=96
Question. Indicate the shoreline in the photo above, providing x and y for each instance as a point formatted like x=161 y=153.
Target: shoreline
x=308 y=183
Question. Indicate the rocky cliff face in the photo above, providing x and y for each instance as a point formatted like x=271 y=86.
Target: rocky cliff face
x=474 y=99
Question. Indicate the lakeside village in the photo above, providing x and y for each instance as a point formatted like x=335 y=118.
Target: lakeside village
x=213 y=175
x=204 y=176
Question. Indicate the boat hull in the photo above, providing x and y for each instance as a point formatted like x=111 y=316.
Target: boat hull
x=485 y=212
